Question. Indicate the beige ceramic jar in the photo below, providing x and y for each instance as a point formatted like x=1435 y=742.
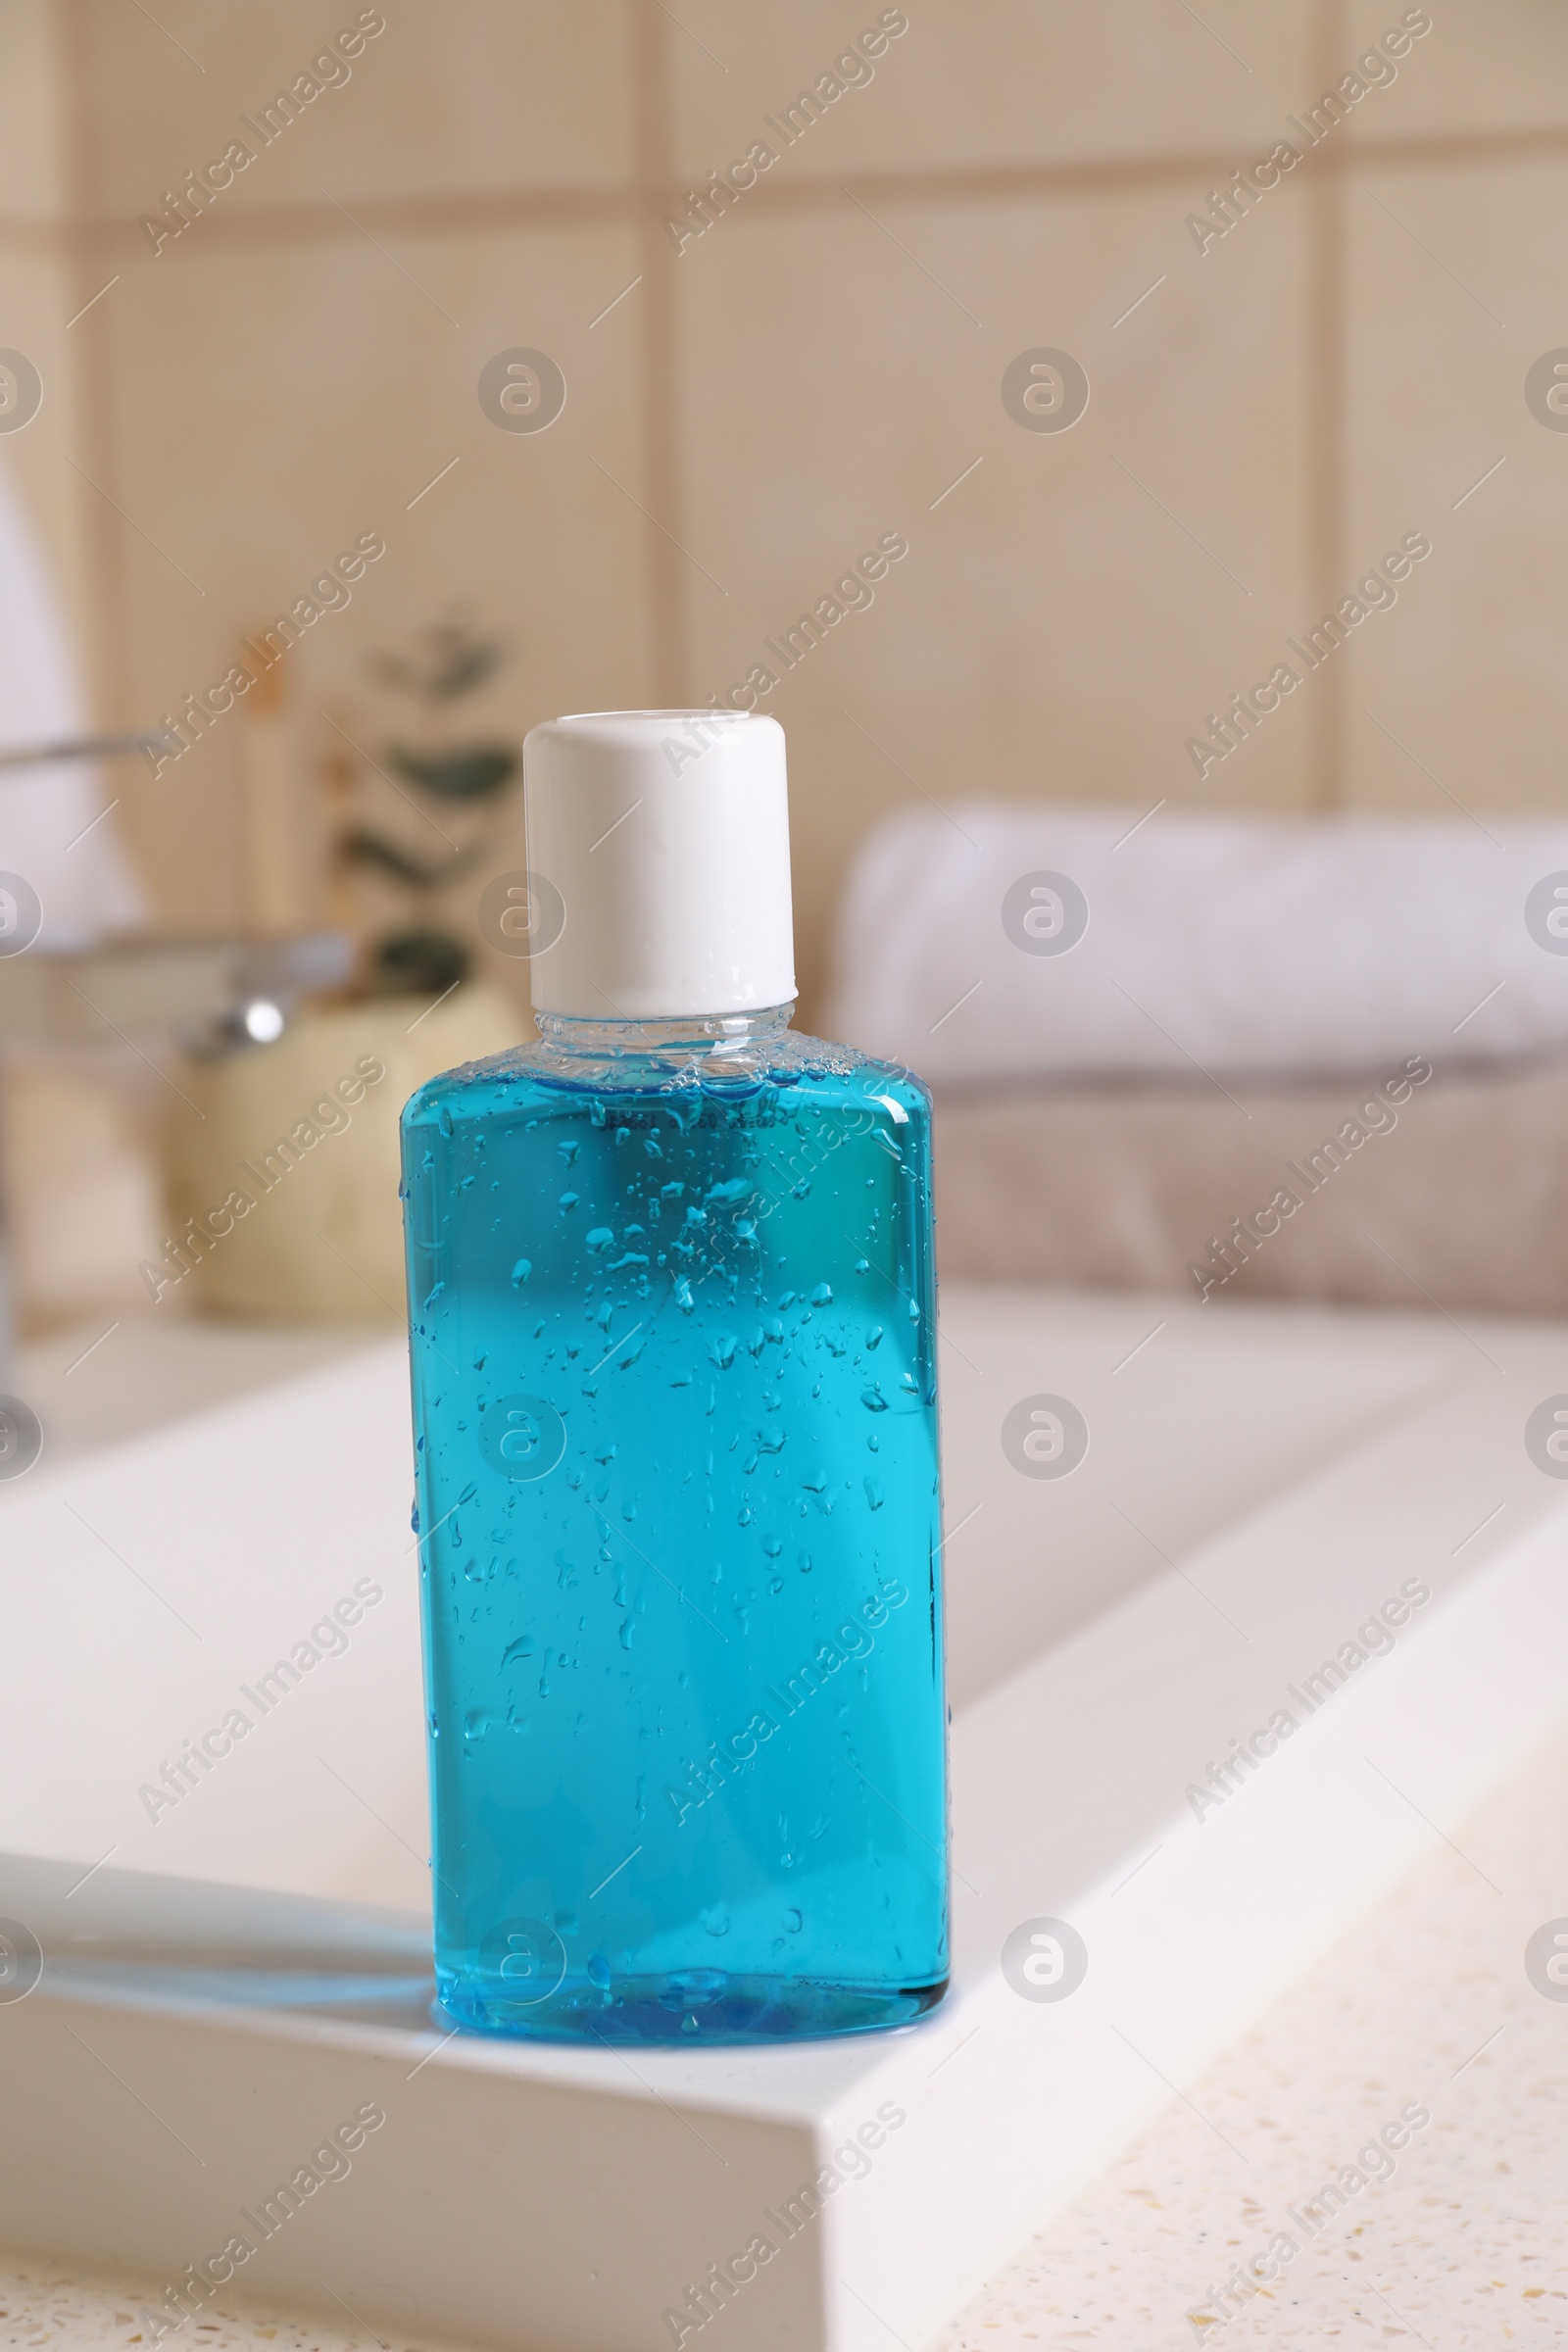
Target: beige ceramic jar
x=283 y=1192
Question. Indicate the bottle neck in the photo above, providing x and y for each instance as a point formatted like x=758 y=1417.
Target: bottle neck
x=716 y=1040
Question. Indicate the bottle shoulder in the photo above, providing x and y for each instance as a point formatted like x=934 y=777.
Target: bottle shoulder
x=791 y=1068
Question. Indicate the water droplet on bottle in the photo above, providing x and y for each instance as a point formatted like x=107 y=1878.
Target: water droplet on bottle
x=520 y=1272
x=598 y=1970
x=716 y=1920
x=793 y=1921
x=694 y=1989
x=822 y=1296
x=873 y=1400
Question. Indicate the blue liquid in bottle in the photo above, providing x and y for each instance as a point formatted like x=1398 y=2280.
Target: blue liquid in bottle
x=674 y=1394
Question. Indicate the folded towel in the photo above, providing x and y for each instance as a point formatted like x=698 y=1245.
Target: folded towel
x=1016 y=941
x=47 y=830
x=1329 y=1187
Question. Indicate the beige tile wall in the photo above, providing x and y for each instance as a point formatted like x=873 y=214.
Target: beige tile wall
x=1446 y=308
x=463 y=100
x=328 y=392
x=45 y=277
x=824 y=364
x=1021 y=82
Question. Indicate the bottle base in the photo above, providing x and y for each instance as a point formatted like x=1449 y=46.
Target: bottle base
x=687 y=2010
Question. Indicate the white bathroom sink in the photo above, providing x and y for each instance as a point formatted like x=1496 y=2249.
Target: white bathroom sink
x=1258 y=1483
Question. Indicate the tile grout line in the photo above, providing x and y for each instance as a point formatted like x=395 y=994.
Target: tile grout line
x=667 y=587
x=101 y=541
x=437 y=215
x=1326 y=486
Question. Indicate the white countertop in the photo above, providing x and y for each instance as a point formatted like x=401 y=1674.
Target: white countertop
x=1462 y=2250
x=1425 y=2001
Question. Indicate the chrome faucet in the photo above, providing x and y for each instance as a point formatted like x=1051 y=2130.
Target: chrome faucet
x=213 y=995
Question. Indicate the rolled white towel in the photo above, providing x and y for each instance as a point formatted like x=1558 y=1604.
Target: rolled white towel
x=1019 y=941
x=78 y=868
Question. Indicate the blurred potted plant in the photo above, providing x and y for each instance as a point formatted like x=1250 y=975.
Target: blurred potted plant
x=284 y=1192
x=464 y=777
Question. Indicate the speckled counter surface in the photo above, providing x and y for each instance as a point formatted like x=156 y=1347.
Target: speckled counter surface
x=1463 y=2248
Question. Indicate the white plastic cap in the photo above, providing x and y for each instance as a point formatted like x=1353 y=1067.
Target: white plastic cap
x=665 y=834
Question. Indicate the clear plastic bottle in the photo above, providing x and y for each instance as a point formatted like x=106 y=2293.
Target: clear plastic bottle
x=674 y=1385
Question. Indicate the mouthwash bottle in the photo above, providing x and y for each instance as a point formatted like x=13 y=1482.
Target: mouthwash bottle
x=672 y=1318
